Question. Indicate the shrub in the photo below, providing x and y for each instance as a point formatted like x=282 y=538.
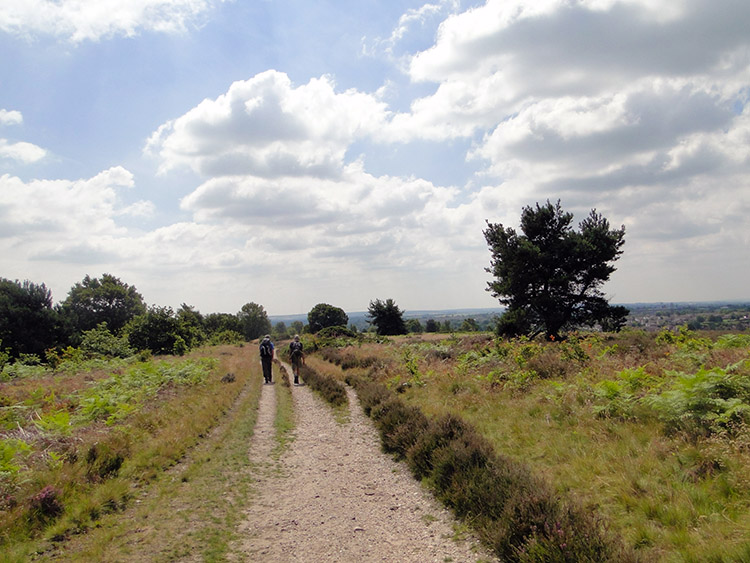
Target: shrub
x=705 y=402
x=103 y=460
x=330 y=389
x=370 y=394
x=46 y=504
x=400 y=425
x=441 y=432
x=100 y=341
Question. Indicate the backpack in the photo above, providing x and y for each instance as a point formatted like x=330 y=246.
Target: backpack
x=295 y=349
x=266 y=350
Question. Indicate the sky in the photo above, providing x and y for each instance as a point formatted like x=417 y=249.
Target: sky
x=290 y=153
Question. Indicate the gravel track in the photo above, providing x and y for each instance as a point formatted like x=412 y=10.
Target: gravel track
x=333 y=496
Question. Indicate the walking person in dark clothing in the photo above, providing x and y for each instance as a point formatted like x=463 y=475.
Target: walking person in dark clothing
x=266 y=358
x=297 y=356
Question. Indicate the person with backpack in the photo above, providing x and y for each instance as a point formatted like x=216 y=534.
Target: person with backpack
x=266 y=358
x=297 y=356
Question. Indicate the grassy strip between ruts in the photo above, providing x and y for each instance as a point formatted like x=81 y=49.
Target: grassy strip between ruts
x=517 y=514
x=193 y=508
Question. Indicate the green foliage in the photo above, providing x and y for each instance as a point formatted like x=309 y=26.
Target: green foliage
x=56 y=422
x=100 y=341
x=225 y=337
x=19 y=370
x=160 y=331
x=10 y=448
x=699 y=404
x=387 y=317
x=102 y=300
x=414 y=326
x=4 y=356
x=114 y=398
x=324 y=315
x=28 y=323
x=550 y=276
x=214 y=323
x=733 y=341
x=254 y=321
x=705 y=402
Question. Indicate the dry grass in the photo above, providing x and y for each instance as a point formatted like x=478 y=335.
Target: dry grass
x=671 y=496
x=95 y=467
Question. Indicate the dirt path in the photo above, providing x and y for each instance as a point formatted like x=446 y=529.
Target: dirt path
x=335 y=497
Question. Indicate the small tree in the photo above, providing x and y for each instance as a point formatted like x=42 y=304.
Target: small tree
x=160 y=331
x=413 y=325
x=102 y=300
x=324 y=315
x=254 y=319
x=469 y=325
x=550 y=276
x=387 y=317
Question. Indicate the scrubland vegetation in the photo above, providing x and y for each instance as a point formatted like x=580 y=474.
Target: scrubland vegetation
x=601 y=447
x=632 y=446
x=80 y=439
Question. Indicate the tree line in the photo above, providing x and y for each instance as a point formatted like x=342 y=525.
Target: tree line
x=549 y=276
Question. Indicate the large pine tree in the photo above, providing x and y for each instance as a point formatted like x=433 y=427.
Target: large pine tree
x=550 y=276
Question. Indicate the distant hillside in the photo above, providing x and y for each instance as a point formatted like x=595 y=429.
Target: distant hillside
x=454 y=316
x=715 y=315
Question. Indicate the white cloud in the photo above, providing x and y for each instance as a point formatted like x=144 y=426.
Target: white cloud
x=266 y=127
x=57 y=213
x=11 y=117
x=81 y=20
x=25 y=153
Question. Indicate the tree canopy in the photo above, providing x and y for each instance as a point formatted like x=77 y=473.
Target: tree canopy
x=550 y=276
x=102 y=300
x=387 y=317
x=254 y=320
x=324 y=315
x=28 y=323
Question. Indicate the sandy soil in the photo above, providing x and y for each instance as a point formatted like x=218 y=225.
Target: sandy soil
x=335 y=497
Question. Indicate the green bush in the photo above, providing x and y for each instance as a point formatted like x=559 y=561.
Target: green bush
x=400 y=425
x=704 y=402
x=100 y=341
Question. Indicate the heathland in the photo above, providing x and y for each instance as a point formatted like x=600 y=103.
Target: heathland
x=630 y=446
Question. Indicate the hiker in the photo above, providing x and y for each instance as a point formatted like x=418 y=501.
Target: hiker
x=266 y=357
x=297 y=356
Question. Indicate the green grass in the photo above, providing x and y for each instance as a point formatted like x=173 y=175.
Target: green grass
x=669 y=475
x=115 y=464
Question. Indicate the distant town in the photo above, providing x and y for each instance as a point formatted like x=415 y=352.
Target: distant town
x=722 y=316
